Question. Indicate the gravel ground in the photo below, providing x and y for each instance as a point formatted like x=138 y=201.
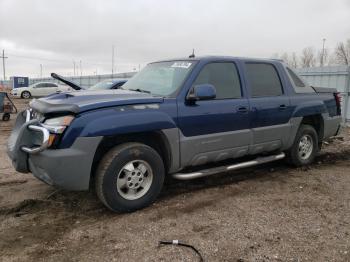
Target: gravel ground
x=267 y=213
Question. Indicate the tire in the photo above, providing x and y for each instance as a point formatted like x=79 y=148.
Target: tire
x=305 y=146
x=119 y=173
x=26 y=95
x=6 y=117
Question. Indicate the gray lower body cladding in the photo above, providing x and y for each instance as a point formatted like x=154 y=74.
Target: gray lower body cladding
x=331 y=125
x=203 y=149
x=69 y=168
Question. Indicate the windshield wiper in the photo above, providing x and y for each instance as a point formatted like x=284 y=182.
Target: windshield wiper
x=140 y=90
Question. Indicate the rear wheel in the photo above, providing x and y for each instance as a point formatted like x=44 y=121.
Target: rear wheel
x=26 y=94
x=6 y=117
x=129 y=177
x=305 y=146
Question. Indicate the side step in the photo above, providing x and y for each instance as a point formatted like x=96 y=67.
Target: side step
x=220 y=169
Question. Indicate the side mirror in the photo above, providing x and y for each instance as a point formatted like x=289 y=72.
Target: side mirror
x=202 y=92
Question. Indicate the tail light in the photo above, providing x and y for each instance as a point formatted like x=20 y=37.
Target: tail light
x=337 y=97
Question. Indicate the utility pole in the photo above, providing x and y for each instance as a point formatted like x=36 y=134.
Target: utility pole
x=41 y=71
x=112 y=60
x=74 y=66
x=3 y=62
x=322 y=58
x=81 y=70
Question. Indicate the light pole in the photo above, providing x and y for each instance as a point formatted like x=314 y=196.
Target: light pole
x=112 y=60
x=41 y=71
x=3 y=63
x=322 y=58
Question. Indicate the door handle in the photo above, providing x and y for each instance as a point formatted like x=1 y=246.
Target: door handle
x=282 y=107
x=242 y=109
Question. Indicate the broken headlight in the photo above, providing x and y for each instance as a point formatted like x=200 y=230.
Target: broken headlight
x=56 y=126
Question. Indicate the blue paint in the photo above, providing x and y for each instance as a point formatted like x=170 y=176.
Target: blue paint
x=113 y=112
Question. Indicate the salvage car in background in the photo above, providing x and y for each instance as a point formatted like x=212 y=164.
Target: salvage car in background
x=104 y=85
x=39 y=89
x=109 y=84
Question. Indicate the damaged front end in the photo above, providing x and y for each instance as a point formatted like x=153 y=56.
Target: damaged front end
x=33 y=148
x=27 y=137
x=33 y=134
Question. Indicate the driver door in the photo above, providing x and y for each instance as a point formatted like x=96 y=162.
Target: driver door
x=217 y=129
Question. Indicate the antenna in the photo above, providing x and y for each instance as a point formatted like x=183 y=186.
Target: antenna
x=192 y=55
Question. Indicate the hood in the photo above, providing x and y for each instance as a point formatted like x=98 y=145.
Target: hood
x=67 y=82
x=77 y=102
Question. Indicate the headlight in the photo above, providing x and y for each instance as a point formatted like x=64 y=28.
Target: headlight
x=58 y=124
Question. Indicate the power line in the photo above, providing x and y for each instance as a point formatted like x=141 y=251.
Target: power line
x=57 y=60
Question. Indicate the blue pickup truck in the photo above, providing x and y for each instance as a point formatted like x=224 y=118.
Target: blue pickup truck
x=186 y=118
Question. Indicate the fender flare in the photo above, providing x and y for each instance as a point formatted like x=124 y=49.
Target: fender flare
x=108 y=122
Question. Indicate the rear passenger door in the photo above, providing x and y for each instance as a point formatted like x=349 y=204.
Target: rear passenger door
x=270 y=107
x=216 y=129
x=51 y=88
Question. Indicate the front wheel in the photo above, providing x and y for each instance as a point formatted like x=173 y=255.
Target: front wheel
x=305 y=146
x=129 y=177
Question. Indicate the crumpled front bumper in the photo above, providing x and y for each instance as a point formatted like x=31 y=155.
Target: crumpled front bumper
x=68 y=168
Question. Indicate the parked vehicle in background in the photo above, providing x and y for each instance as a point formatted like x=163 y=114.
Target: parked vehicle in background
x=173 y=118
x=108 y=84
x=39 y=89
x=104 y=85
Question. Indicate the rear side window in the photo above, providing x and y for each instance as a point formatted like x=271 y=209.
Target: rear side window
x=224 y=77
x=263 y=80
x=296 y=80
x=40 y=85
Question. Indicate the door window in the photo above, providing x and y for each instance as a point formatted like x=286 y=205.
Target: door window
x=51 y=85
x=224 y=77
x=263 y=79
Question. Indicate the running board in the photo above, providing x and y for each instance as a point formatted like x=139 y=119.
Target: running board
x=220 y=169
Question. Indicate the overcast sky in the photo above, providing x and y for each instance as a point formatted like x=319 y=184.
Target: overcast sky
x=57 y=32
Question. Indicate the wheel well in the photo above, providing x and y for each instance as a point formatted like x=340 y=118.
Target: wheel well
x=155 y=139
x=316 y=122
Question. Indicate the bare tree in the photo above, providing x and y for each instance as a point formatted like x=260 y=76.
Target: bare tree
x=290 y=60
x=285 y=58
x=342 y=53
x=294 y=60
x=308 y=57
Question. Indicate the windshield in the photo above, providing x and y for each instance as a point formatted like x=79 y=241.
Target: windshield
x=161 y=78
x=102 y=85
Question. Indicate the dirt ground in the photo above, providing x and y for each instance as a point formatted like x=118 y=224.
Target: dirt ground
x=267 y=213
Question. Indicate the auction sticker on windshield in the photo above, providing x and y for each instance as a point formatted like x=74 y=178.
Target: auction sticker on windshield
x=182 y=64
